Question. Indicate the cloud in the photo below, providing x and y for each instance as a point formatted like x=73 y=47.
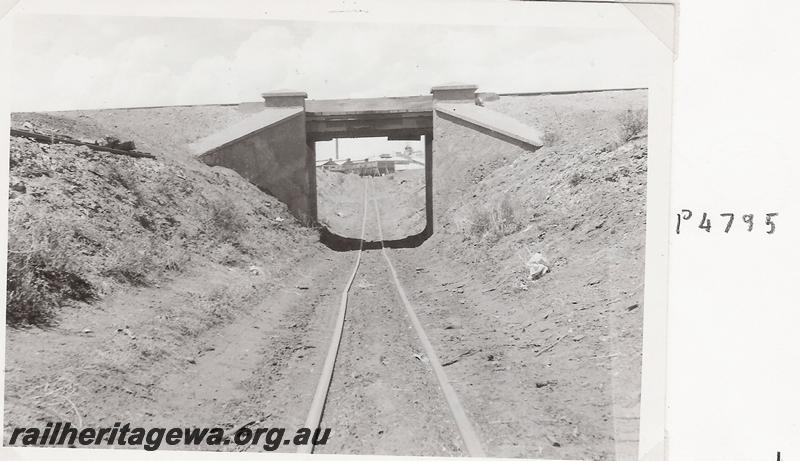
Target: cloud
x=92 y=62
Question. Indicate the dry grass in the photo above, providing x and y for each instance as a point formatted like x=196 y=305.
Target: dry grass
x=576 y=178
x=631 y=124
x=551 y=137
x=225 y=219
x=41 y=271
x=47 y=267
x=56 y=399
x=127 y=179
x=553 y=132
x=132 y=262
x=138 y=262
x=175 y=258
x=213 y=308
x=496 y=221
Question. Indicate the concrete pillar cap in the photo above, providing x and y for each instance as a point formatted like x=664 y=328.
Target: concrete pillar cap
x=460 y=93
x=282 y=93
x=285 y=98
x=454 y=86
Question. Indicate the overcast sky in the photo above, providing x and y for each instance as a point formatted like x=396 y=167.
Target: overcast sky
x=84 y=62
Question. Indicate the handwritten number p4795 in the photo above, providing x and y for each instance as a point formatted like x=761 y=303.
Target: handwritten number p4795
x=705 y=221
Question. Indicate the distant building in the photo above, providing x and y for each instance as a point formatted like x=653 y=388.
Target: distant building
x=329 y=164
x=333 y=165
x=375 y=166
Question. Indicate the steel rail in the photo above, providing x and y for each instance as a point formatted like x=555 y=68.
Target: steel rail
x=465 y=428
x=321 y=394
x=468 y=434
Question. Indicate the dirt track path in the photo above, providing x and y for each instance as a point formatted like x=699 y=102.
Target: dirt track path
x=264 y=367
x=261 y=365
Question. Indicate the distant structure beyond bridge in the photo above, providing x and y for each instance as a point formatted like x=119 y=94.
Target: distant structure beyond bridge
x=275 y=148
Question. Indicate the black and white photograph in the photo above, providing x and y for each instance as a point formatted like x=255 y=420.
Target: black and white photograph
x=357 y=232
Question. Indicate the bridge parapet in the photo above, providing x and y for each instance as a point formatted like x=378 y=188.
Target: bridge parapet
x=285 y=98
x=458 y=103
x=456 y=93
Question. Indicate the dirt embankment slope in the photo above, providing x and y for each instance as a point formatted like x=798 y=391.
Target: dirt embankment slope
x=90 y=221
x=547 y=367
x=130 y=278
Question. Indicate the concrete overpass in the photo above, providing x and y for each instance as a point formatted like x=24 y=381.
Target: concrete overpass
x=275 y=148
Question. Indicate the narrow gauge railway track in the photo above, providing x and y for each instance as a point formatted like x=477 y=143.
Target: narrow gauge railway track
x=469 y=440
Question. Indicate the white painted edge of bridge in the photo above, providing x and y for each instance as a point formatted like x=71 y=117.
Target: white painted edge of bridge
x=493 y=121
x=251 y=125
